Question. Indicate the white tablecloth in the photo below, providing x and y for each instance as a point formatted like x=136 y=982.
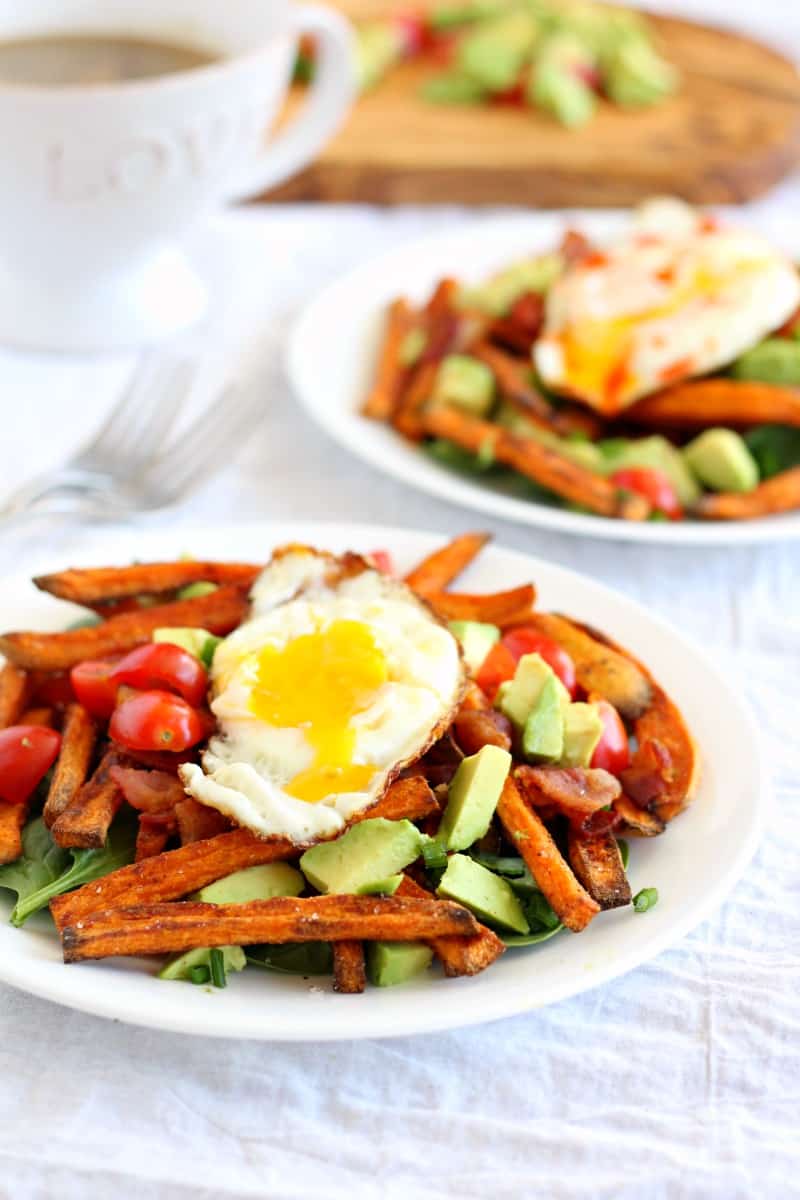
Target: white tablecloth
x=681 y=1079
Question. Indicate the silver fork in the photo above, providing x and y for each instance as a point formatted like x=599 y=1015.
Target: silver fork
x=125 y=465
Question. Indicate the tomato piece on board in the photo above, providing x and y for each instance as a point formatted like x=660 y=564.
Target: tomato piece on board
x=654 y=485
x=27 y=752
x=157 y=720
x=95 y=687
x=529 y=641
x=163 y=665
x=613 y=751
x=498 y=666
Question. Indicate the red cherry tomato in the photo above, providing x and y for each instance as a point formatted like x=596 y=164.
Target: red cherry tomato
x=27 y=752
x=414 y=32
x=529 y=641
x=162 y=665
x=498 y=666
x=613 y=752
x=157 y=721
x=513 y=97
x=95 y=687
x=654 y=486
x=382 y=561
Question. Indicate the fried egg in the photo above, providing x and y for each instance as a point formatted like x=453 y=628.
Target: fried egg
x=680 y=295
x=339 y=678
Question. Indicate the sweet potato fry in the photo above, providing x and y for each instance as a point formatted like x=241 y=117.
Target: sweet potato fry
x=476 y=728
x=637 y=821
x=566 y=896
x=101 y=585
x=577 y=792
x=86 y=820
x=390 y=370
x=779 y=494
x=78 y=737
x=410 y=798
x=496 y=608
x=537 y=462
x=412 y=398
x=197 y=821
x=219 y=612
x=599 y=667
x=513 y=381
x=438 y=570
x=443 y=297
x=15 y=692
x=153 y=834
x=458 y=955
x=12 y=819
x=701 y=403
x=38 y=716
x=597 y=862
x=349 y=970
x=167 y=928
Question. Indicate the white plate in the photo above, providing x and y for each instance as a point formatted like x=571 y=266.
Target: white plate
x=333 y=347
x=694 y=865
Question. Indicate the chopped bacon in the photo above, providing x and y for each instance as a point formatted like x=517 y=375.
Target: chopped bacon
x=575 y=791
x=148 y=791
x=647 y=779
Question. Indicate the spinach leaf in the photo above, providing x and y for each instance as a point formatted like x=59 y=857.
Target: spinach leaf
x=305 y=958
x=46 y=870
x=775 y=448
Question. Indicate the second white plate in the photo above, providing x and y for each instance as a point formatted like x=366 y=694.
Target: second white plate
x=333 y=347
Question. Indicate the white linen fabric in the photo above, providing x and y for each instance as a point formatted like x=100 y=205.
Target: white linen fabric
x=681 y=1079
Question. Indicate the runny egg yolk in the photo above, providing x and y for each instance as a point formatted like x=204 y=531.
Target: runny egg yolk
x=318 y=682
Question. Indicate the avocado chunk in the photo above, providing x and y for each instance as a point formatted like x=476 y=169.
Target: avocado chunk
x=201 y=587
x=476 y=639
x=543 y=734
x=636 y=75
x=180 y=966
x=498 y=294
x=487 y=895
x=583 y=728
x=381 y=887
x=464 y=383
x=721 y=460
x=472 y=797
x=389 y=963
x=495 y=53
x=364 y=855
x=198 y=642
x=253 y=883
x=452 y=88
x=775 y=360
x=658 y=452
x=518 y=697
x=556 y=84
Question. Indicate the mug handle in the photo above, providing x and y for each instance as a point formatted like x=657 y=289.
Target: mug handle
x=331 y=95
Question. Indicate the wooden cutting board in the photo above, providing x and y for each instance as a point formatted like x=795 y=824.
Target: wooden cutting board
x=731 y=133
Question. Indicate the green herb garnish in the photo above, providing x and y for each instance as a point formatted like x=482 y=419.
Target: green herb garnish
x=645 y=899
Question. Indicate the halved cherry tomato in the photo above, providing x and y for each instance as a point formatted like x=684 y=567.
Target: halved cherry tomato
x=513 y=97
x=654 y=485
x=613 y=752
x=157 y=720
x=162 y=665
x=382 y=560
x=95 y=687
x=529 y=641
x=27 y=752
x=414 y=32
x=498 y=666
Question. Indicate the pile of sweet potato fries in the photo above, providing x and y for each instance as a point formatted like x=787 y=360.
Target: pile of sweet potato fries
x=564 y=823
x=403 y=388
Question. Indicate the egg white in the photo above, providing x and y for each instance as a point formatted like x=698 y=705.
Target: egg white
x=692 y=297
x=249 y=762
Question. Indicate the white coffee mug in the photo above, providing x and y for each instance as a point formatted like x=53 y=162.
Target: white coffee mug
x=99 y=182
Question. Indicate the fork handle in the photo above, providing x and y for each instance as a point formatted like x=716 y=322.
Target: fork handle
x=71 y=484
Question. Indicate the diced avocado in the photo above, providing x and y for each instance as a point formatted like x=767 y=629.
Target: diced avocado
x=498 y=294
x=465 y=383
x=543 y=735
x=198 y=642
x=180 y=967
x=775 y=360
x=253 y=883
x=389 y=963
x=658 y=452
x=450 y=16
x=378 y=47
x=452 y=89
x=495 y=53
x=721 y=460
x=556 y=83
x=519 y=696
x=636 y=75
x=477 y=639
x=381 y=887
x=364 y=855
x=583 y=728
x=411 y=347
x=203 y=587
x=488 y=896
x=472 y=797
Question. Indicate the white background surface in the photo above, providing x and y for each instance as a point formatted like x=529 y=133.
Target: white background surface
x=679 y=1080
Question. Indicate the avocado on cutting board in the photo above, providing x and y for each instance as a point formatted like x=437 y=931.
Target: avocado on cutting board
x=731 y=132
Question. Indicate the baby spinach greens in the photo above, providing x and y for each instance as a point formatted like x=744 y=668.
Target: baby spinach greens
x=775 y=448
x=304 y=958
x=46 y=870
x=542 y=920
